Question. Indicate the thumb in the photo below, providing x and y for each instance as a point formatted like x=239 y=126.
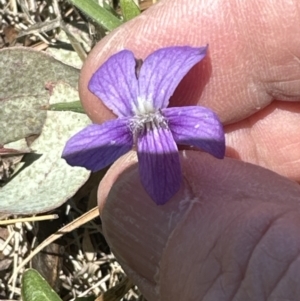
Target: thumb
x=229 y=221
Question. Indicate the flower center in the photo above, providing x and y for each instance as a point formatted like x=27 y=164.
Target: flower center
x=143 y=107
x=141 y=124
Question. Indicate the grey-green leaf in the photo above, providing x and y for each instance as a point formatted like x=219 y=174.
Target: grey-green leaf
x=26 y=80
x=35 y=288
x=97 y=13
x=129 y=9
x=46 y=181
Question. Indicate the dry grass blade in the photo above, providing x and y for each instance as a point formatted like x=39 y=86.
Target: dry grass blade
x=41 y=27
x=75 y=43
x=90 y=215
x=29 y=219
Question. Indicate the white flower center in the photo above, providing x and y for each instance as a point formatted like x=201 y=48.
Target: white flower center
x=142 y=123
x=143 y=107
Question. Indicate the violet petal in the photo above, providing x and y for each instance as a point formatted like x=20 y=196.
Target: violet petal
x=163 y=70
x=197 y=126
x=159 y=164
x=115 y=83
x=97 y=146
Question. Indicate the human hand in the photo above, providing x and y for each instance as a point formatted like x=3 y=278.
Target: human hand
x=232 y=230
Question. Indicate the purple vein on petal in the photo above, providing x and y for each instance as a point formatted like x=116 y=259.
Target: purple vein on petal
x=159 y=164
x=162 y=71
x=115 y=83
x=98 y=146
x=197 y=126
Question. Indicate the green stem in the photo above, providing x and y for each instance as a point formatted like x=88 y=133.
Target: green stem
x=97 y=13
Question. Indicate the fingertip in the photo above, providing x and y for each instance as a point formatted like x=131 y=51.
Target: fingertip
x=138 y=35
x=92 y=105
x=120 y=166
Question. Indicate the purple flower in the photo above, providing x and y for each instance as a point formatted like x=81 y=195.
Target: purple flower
x=139 y=96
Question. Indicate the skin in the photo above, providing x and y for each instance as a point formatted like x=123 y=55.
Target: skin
x=232 y=231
